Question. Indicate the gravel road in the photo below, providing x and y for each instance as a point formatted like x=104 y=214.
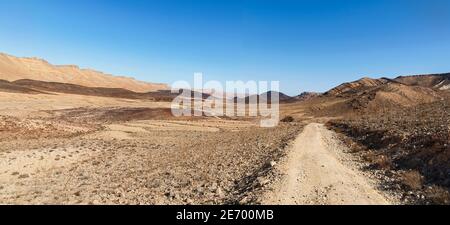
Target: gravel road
x=317 y=172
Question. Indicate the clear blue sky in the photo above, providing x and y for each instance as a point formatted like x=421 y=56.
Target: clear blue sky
x=306 y=45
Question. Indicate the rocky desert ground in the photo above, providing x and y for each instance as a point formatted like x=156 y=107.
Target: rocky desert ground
x=67 y=149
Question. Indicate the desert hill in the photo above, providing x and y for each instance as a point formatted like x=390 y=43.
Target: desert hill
x=403 y=85
x=14 y=68
x=283 y=98
x=393 y=94
x=371 y=95
x=306 y=96
x=350 y=88
x=435 y=81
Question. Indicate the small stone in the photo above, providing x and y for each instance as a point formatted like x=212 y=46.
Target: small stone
x=24 y=176
x=262 y=181
x=220 y=193
x=189 y=201
x=243 y=201
x=214 y=186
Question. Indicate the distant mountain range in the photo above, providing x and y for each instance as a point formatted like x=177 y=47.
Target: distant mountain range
x=34 y=76
x=403 y=90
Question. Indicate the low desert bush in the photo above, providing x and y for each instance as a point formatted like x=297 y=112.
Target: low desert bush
x=287 y=119
x=438 y=195
x=378 y=161
x=412 y=180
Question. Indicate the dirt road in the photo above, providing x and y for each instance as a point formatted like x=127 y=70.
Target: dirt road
x=316 y=171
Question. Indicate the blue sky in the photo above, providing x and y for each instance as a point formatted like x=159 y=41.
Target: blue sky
x=309 y=45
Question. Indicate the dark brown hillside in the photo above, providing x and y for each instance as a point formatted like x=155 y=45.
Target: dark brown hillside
x=6 y=86
x=36 y=87
x=76 y=89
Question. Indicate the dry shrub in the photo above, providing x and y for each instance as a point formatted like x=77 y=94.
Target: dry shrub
x=287 y=119
x=412 y=180
x=378 y=161
x=352 y=145
x=438 y=195
x=347 y=142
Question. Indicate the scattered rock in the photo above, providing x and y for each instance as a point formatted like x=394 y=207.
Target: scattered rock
x=22 y=176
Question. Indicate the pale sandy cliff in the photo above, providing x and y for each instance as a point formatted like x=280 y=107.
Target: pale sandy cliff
x=14 y=68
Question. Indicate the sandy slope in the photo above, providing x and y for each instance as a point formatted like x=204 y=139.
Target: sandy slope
x=20 y=105
x=316 y=172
